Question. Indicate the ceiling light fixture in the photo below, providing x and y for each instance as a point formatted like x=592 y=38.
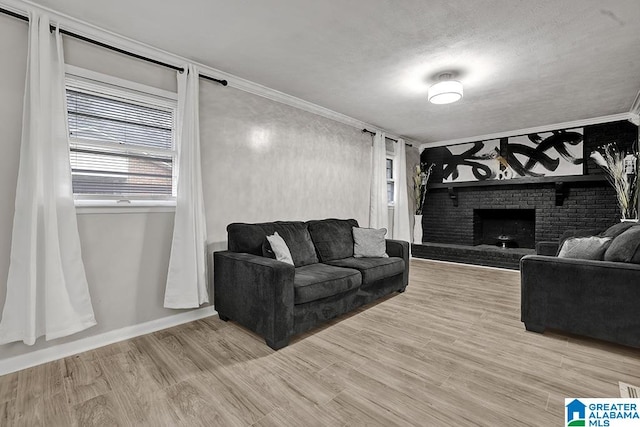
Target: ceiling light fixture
x=446 y=90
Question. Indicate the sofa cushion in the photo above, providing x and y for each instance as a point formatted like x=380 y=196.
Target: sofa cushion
x=584 y=247
x=617 y=229
x=250 y=238
x=316 y=281
x=625 y=247
x=547 y=248
x=299 y=242
x=332 y=238
x=372 y=269
x=369 y=242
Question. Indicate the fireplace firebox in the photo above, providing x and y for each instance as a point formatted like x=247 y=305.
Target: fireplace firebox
x=506 y=228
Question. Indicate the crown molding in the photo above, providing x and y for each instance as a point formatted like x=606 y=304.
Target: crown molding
x=14 y=6
x=635 y=110
x=301 y=104
x=537 y=129
x=108 y=37
x=635 y=107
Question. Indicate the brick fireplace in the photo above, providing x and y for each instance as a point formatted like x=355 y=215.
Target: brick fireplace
x=586 y=205
x=461 y=221
x=507 y=228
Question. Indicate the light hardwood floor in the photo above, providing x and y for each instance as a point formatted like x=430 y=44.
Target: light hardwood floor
x=449 y=351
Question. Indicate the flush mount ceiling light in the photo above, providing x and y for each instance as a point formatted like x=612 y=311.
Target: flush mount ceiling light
x=445 y=91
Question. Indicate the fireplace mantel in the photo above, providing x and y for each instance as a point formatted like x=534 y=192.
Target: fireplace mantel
x=521 y=181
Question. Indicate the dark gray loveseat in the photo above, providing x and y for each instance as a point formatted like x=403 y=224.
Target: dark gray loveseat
x=594 y=298
x=278 y=300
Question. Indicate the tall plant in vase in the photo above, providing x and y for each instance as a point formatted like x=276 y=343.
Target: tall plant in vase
x=420 y=180
x=622 y=172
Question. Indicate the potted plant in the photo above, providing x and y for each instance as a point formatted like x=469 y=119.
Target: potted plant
x=420 y=179
x=621 y=171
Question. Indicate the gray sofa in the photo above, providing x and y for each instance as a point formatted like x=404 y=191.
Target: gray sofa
x=278 y=300
x=593 y=298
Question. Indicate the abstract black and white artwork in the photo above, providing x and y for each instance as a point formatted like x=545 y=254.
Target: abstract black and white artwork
x=557 y=153
x=475 y=161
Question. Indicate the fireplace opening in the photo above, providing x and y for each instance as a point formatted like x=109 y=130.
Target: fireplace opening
x=506 y=228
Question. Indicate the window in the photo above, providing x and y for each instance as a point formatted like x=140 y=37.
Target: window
x=122 y=143
x=391 y=185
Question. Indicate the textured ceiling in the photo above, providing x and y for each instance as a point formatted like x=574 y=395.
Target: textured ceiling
x=523 y=63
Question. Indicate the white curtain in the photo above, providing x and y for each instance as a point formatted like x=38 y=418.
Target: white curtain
x=187 y=277
x=378 y=209
x=401 y=217
x=47 y=290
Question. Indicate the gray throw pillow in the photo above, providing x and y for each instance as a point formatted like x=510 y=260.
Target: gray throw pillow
x=369 y=243
x=577 y=233
x=625 y=247
x=280 y=248
x=585 y=247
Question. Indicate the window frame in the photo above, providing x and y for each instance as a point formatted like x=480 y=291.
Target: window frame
x=391 y=203
x=86 y=81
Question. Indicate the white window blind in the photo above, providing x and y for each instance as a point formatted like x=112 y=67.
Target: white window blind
x=121 y=143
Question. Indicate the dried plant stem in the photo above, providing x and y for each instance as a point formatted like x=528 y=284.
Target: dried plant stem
x=626 y=186
x=420 y=181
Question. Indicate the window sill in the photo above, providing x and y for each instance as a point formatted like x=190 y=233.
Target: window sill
x=133 y=207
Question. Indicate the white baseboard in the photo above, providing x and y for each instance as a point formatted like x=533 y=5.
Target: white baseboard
x=38 y=357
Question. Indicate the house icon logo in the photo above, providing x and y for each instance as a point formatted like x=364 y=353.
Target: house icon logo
x=576 y=413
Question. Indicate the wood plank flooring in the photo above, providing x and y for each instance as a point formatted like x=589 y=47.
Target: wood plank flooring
x=450 y=351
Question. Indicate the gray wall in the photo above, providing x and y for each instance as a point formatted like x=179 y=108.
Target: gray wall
x=261 y=161
x=265 y=161
x=13 y=51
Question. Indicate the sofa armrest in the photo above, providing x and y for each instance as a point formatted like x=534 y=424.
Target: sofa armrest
x=400 y=249
x=547 y=248
x=256 y=292
x=593 y=298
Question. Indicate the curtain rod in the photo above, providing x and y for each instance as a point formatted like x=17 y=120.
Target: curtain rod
x=14 y=14
x=113 y=48
x=394 y=140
